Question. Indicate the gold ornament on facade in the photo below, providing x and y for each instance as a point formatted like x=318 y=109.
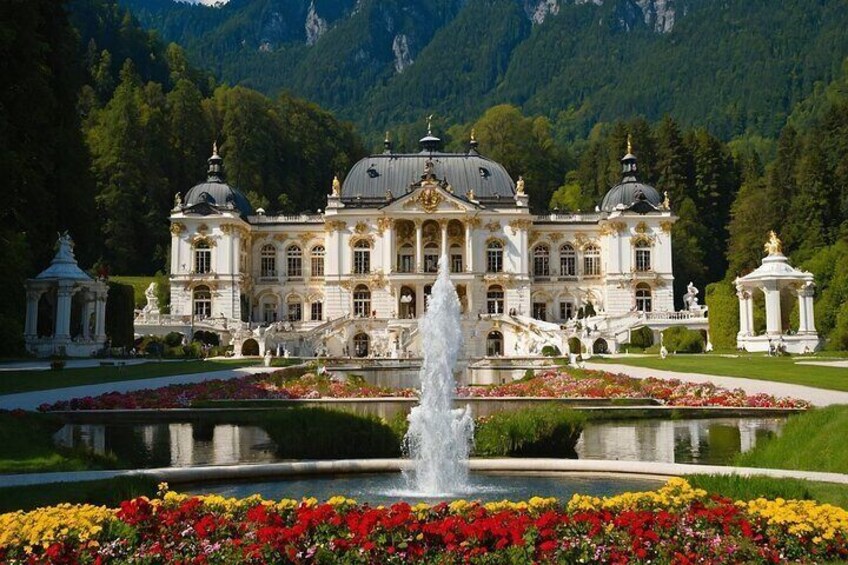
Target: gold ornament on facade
x=429 y=198
x=773 y=246
x=666 y=226
x=517 y=225
x=383 y=224
x=555 y=236
x=493 y=226
x=361 y=228
x=177 y=228
x=306 y=237
x=280 y=237
x=641 y=227
x=334 y=225
x=202 y=228
x=473 y=221
x=666 y=203
x=210 y=241
x=377 y=281
x=470 y=194
x=443 y=223
x=357 y=238
x=533 y=237
x=581 y=239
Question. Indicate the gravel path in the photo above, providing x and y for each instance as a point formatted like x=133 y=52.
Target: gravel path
x=817 y=396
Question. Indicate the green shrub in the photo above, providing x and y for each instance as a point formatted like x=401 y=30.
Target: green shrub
x=530 y=432
x=723 y=314
x=551 y=351
x=173 y=339
x=681 y=339
x=318 y=433
x=642 y=338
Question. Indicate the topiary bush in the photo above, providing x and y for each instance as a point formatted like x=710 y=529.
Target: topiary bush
x=723 y=314
x=551 y=351
x=642 y=338
x=681 y=339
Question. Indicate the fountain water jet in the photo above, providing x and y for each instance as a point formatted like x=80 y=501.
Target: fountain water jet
x=439 y=437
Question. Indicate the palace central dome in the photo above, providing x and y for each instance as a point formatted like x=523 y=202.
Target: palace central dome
x=630 y=194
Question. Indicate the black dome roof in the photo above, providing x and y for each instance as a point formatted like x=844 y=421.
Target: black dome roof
x=630 y=193
x=216 y=192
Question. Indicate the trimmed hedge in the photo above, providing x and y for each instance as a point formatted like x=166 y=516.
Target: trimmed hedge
x=120 y=311
x=723 y=314
x=642 y=338
x=530 y=432
x=683 y=340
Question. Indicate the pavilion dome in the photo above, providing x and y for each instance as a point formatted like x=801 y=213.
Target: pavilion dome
x=216 y=192
x=630 y=194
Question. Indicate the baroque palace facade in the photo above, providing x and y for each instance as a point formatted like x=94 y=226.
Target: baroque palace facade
x=352 y=280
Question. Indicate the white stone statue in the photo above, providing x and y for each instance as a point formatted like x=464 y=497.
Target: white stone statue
x=691 y=297
x=152 y=306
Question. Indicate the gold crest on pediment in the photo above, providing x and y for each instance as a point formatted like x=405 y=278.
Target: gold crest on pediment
x=493 y=226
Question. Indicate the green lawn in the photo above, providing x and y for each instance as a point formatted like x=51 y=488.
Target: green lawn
x=107 y=492
x=750 y=366
x=749 y=488
x=27 y=381
x=26 y=446
x=812 y=441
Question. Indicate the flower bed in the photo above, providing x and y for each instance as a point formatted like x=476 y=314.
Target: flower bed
x=551 y=384
x=599 y=384
x=675 y=524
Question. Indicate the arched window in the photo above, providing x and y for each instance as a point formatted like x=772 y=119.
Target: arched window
x=362 y=257
x=405 y=259
x=202 y=257
x=431 y=258
x=541 y=261
x=455 y=259
x=202 y=298
x=494 y=344
x=317 y=264
x=294 y=306
x=494 y=257
x=361 y=342
x=361 y=302
x=643 y=298
x=495 y=300
x=268 y=261
x=294 y=262
x=643 y=255
x=591 y=261
x=567 y=261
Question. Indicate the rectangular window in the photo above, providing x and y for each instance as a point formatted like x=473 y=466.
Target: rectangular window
x=566 y=310
x=202 y=261
x=295 y=312
x=643 y=260
x=317 y=311
x=404 y=263
x=456 y=263
x=540 y=311
x=269 y=267
x=317 y=266
x=269 y=312
x=494 y=262
x=591 y=266
x=362 y=261
x=295 y=267
x=568 y=266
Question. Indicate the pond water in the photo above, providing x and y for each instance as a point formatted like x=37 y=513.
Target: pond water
x=713 y=441
x=388 y=488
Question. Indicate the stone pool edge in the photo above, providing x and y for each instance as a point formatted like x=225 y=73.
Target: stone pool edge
x=356 y=466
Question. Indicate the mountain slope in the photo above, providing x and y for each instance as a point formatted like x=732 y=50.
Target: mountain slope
x=734 y=65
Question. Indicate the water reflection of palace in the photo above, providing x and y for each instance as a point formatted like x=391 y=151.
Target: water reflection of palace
x=708 y=441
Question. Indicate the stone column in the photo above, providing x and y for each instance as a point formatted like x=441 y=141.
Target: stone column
x=524 y=267
x=744 y=306
x=31 y=328
x=419 y=247
x=100 y=315
x=389 y=254
x=805 y=309
x=469 y=248
x=773 y=323
x=86 y=315
x=64 y=293
x=444 y=225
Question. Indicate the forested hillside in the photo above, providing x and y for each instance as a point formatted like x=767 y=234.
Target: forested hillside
x=733 y=66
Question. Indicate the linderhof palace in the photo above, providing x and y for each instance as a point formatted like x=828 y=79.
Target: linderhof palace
x=352 y=281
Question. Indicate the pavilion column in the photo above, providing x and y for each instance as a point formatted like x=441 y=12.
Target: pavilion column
x=444 y=225
x=773 y=322
x=744 y=308
x=469 y=249
x=64 y=293
x=86 y=316
x=31 y=328
x=805 y=309
x=419 y=247
x=100 y=316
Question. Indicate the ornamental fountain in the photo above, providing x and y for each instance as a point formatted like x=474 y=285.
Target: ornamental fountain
x=439 y=437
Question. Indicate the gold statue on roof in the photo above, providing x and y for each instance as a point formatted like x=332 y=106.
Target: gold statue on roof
x=519 y=186
x=773 y=246
x=337 y=186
